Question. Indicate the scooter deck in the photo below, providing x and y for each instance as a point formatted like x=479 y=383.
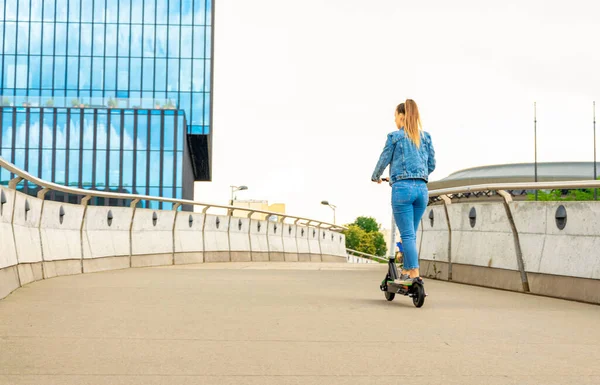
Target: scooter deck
x=408 y=284
x=396 y=288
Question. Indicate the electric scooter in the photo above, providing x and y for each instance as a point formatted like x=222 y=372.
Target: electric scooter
x=415 y=289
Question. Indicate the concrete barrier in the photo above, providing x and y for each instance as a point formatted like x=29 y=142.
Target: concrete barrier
x=434 y=244
x=60 y=232
x=26 y=223
x=482 y=254
x=302 y=233
x=290 y=245
x=152 y=238
x=189 y=239
x=329 y=247
x=43 y=239
x=239 y=240
x=259 y=243
x=106 y=238
x=275 y=239
x=314 y=244
x=9 y=276
x=339 y=245
x=216 y=238
x=559 y=263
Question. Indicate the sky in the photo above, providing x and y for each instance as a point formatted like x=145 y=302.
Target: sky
x=305 y=91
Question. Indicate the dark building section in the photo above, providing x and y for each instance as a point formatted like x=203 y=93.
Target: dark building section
x=200 y=156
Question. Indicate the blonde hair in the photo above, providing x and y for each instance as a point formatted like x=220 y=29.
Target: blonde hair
x=412 y=122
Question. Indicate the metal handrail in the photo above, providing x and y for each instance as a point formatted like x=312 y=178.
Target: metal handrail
x=49 y=186
x=516 y=186
x=365 y=255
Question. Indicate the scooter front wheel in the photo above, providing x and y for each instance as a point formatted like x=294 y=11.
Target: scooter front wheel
x=389 y=296
x=418 y=294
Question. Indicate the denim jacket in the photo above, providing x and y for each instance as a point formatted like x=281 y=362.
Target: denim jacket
x=406 y=160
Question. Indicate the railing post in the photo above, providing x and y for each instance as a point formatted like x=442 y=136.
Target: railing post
x=42 y=195
x=204 y=211
x=133 y=205
x=84 y=202
x=249 y=216
x=319 y=238
x=176 y=209
x=518 y=252
x=13 y=186
x=447 y=202
x=229 y=218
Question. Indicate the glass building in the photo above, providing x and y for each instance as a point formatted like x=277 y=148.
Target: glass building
x=108 y=94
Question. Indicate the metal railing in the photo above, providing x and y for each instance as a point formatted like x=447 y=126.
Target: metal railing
x=88 y=194
x=367 y=256
x=503 y=190
x=495 y=187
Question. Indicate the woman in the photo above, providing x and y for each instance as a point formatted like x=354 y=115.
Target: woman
x=409 y=152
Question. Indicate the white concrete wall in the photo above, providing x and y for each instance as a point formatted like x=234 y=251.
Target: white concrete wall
x=313 y=241
x=8 y=253
x=26 y=229
x=258 y=238
x=435 y=238
x=216 y=237
x=290 y=246
x=302 y=233
x=38 y=245
x=489 y=244
x=101 y=240
x=239 y=238
x=573 y=252
x=61 y=241
x=189 y=239
x=339 y=244
x=275 y=239
x=148 y=238
x=326 y=242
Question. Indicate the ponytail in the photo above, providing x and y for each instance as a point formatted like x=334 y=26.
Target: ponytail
x=412 y=125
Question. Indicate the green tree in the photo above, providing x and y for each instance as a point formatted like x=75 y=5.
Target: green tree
x=379 y=243
x=566 y=195
x=369 y=224
x=363 y=235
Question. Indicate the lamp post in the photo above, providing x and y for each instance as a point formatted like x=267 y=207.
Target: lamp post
x=535 y=146
x=326 y=203
x=233 y=190
x=595 y=170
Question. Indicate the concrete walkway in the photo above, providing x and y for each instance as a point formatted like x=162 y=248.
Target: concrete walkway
x=291 y=323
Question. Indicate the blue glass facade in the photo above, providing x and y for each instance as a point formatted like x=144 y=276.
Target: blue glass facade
x=108 y=92
x=122 y=150
x=97 y=52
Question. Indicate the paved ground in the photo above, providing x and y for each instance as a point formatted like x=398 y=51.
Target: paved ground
x=287 y=324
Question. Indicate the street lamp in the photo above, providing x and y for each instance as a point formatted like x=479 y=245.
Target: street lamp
x=326 y=203
x=234 y=189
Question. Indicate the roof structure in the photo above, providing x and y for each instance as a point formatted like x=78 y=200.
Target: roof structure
x=518 y=172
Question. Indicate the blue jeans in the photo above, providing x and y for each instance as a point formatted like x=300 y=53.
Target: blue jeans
x=409 y=201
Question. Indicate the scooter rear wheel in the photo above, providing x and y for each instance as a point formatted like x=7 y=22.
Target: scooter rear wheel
x=389 y=296
x=418 y=295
